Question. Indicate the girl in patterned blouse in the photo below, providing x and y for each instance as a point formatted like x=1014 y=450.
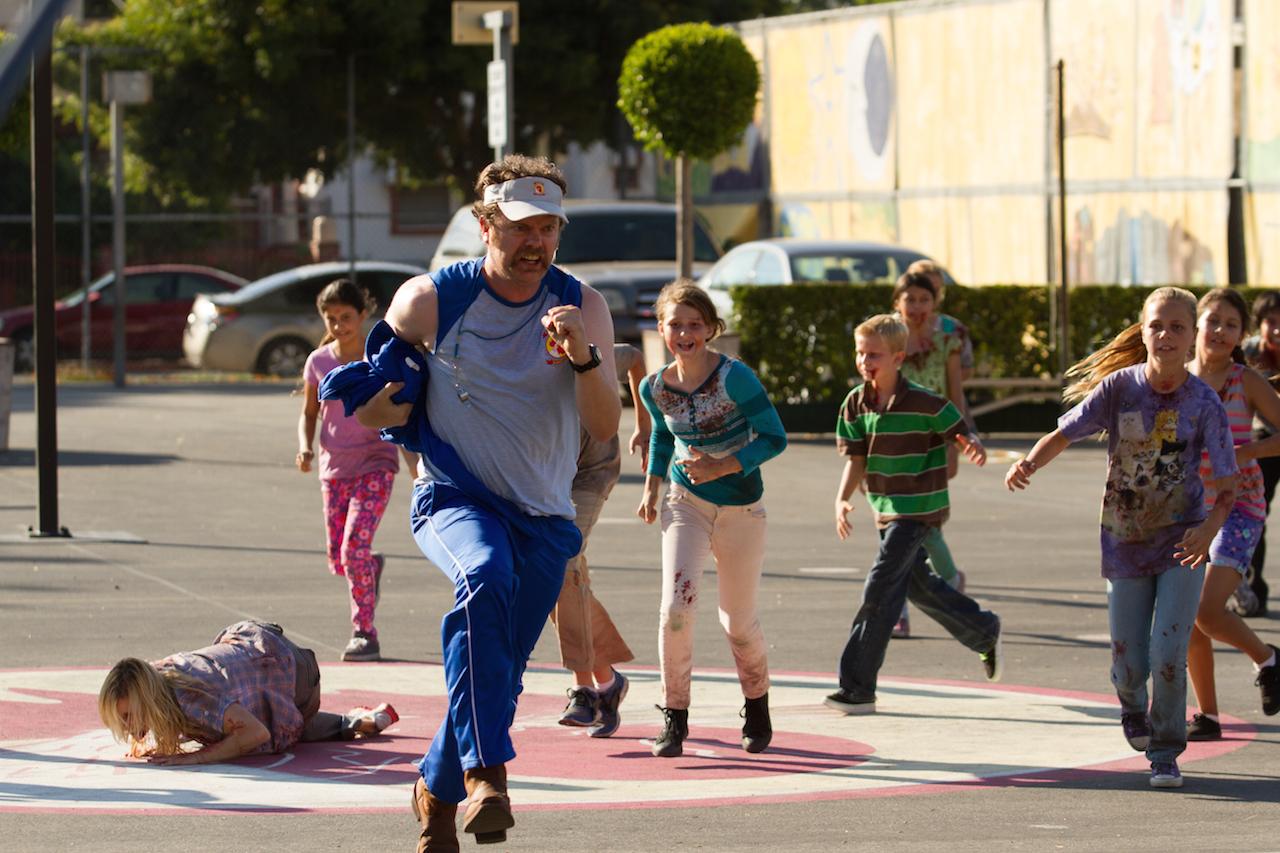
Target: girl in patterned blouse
x=711 y=414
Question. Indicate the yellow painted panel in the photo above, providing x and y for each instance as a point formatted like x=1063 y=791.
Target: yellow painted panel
x=1096 y=39
x=980 y=239
x=1148 y=238
x=1262 y=76
x=971 y=95
x=838 y=220
x=831 y=95
x=1182 y=97
x=1262 y=236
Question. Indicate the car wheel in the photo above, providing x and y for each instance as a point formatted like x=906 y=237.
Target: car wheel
x=284 y=357
x=24 y=351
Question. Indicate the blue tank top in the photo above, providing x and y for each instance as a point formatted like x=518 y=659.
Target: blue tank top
x=501 y=393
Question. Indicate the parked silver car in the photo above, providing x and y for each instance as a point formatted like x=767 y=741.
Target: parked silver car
x=624 y=249
x=271 y=325
x=789 y=260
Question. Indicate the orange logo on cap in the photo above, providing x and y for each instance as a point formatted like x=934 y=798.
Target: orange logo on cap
x=538 y=188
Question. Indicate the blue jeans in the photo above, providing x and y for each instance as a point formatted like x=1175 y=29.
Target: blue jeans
x=1151 y=620
x=900 y=573
x=506 y=580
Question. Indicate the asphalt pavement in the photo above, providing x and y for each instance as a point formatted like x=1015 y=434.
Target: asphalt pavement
x=204 y=474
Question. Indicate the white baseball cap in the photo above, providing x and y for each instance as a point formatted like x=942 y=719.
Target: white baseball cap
x=521 y=198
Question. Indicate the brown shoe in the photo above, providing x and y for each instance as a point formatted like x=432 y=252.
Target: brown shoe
x=488 y=814
x=439 y=832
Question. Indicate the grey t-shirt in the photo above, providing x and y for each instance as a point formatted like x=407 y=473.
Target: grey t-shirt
x=503 y=395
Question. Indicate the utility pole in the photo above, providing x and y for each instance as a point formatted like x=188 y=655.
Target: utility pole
x=498 y=22
x=86 y=247
x=501 y=115
x=351 y=167
x=42 y=275
x=120 y=88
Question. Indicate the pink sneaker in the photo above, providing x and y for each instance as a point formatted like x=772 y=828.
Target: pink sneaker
x=902 y=629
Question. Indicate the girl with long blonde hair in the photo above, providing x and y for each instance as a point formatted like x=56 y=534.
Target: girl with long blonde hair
x=252 y=691
x=1156 y=529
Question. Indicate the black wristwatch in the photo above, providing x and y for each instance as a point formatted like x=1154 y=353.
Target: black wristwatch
x=591 y=363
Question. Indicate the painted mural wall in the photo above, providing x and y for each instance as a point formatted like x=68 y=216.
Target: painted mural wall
x=932 y=125
x=1262 y=139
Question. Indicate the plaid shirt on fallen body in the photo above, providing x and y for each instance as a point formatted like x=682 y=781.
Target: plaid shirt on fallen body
x=247 y=664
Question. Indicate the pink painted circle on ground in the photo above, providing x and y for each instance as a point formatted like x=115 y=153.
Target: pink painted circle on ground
x=55 y=754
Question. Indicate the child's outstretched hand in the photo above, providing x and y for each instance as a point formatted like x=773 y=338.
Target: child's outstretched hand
x=640 y=443
x=971 y=447
x=843 y=527
x=1193 y=547
x=1019 y=474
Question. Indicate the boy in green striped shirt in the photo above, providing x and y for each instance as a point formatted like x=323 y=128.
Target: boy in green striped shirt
x=894 y=434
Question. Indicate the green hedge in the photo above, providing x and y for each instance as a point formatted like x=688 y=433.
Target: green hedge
x=799 y=338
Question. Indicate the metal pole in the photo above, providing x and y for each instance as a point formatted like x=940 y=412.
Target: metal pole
x=351 y=167
x=86 y=267
x=117 y=242
x=1064 y=333
x=499 y=23
x=42 y=274
x=502 y=50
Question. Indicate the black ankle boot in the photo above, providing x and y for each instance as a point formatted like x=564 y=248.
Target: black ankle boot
x=675 y=728
x=757 y=730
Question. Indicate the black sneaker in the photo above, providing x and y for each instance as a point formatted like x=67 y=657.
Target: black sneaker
x=847 y=703
x=583 y=708
x=1268 y=681
x=993 y=660
x=675 y=728
x=609 y=719
x=1137 y=730
x=757 y=730
x=362 y=647
x=1203 y=728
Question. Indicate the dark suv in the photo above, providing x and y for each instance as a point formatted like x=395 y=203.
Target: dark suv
x=624 y=249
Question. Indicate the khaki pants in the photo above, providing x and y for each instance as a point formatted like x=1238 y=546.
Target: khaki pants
x=588 y=638
x=693 y=530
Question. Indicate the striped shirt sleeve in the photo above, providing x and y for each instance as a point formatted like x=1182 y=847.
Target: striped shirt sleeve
x=851 y=437
x=949 y=423
x=662 y=443
x=770 y=438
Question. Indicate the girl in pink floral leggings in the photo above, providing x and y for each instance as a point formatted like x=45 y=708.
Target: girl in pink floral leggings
x=356 y=467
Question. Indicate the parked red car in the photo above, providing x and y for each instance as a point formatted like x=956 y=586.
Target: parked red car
x=159 y=298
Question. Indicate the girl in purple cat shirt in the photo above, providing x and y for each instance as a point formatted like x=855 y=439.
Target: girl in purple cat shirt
x=1156 y=531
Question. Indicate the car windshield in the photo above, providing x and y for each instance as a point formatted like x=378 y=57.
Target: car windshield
x=627 y=236
x=869 y=267
x=77 y=296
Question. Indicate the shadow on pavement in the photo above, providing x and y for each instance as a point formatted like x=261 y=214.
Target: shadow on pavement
x=26 y=457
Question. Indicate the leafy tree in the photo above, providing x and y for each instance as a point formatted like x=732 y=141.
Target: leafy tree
x=247 y=91
x=689 y=91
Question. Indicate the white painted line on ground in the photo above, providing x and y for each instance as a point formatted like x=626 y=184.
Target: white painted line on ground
x=828 y=570
x=235 y=611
